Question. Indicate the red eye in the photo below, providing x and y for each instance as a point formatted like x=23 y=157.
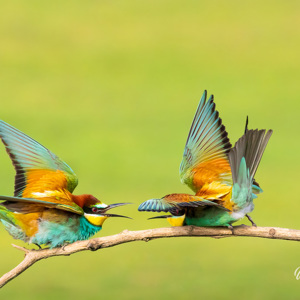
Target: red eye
x=94 y=209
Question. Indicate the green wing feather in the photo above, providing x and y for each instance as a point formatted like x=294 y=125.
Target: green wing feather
x=173 y=201
x=27 y=155
x=16 y=203
x=207 y=143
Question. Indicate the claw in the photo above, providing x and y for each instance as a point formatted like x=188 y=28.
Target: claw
x=64 y=245
x=40 y=248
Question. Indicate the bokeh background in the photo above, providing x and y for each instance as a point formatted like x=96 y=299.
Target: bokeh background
x=111 y=87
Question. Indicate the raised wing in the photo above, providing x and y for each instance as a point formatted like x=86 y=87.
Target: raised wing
x=244 y=158
x=205 y=158
x=40 y=174
x=251 y=146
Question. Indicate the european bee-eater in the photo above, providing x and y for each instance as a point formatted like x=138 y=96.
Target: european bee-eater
x=221 y=176
x=43 y=210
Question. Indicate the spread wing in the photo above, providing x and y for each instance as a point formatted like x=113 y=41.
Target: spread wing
x=173 y=201
x=40 y=174
x=30 y=205
x=205 y=157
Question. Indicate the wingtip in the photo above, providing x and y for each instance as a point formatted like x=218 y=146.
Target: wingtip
x=203 y=97
x=154 y=205
x=246 y=126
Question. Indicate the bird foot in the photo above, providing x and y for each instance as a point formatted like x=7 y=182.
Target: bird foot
x=250 y=219
x=40 y=248
x=64 y=245
x=231 y=228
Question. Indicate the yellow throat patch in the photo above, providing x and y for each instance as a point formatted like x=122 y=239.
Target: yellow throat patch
x=176 y=221
x=95 y=219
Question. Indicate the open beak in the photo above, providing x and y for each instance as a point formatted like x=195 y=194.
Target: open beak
x=104 y=210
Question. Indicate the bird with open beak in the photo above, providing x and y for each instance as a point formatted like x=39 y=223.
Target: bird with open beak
x=43 y=210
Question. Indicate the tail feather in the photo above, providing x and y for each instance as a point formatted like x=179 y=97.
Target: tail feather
x=7 y=219
x=5 y=215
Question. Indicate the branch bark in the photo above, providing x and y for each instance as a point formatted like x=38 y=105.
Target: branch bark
x=33 y=256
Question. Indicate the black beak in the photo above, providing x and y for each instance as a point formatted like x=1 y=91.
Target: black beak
x=114 y=215
x=115 y=205
x=104 y=210
x=161 y=217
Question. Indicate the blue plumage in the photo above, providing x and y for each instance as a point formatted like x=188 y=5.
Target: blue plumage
x=56 y=234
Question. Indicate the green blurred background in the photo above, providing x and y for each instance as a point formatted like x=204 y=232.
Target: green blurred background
x=111 y=87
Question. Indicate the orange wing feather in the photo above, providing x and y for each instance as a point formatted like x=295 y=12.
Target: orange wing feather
x=205 y=158
x=210 y=171
x=47 y=184
x=40 y=174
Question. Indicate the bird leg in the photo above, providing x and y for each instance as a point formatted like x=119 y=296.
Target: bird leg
x=231 y=228
x=250 y=219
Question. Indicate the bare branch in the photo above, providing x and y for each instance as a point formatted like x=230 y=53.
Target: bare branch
x=32 y=256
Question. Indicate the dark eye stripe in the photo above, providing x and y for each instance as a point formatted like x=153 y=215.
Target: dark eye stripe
x=90 y=210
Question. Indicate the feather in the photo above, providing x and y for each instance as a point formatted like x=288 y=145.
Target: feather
x=251 y=146
x=27 y=205
x=29 y=156
x=207 y=145
x=170 y=202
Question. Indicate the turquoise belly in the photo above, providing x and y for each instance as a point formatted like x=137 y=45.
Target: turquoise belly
x=57 y=234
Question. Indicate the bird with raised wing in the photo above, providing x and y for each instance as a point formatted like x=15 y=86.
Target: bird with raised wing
x=43 y=210
x=221 y=176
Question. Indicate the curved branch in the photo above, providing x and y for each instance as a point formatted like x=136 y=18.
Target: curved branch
x=32 y=256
